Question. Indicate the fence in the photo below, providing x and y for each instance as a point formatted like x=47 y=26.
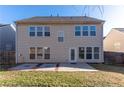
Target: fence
x=7 y=59
x=114 y=57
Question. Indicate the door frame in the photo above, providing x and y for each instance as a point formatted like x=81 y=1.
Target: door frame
x=70 y=55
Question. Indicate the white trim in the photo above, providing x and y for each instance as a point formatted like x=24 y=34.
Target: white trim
x=70 y=54
x=43 y=30
x=29 y=31
x=63 y=35
x=81 y=26
x=95 y=30
x=75 y=30
x=16 y=43
x=35 y=48
x=84 y=52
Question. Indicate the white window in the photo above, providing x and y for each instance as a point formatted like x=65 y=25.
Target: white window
x=77 y=31
x=96 y=52
x=61 y=37
x=81 y=52
x=39 y=31
x=92 y=30
x=46 y=31
x=46 y=53
x=89 y=53
x=8 y=47
x=85 y=30
x=32 y=53
x=39 y=52
x=32 y=31
x=117 y=45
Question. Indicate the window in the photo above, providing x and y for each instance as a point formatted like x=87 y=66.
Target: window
x=96 y=52
x=39 y=52
x=89 y=53
x=92 y=30
x=85 y=31
x=39 y=31
x=77 y=31
x=46 y=53
x=8 y=47
x=81 y=52
x=32 y=53
x=61 y=37
x=32 y=31
x=47 y=31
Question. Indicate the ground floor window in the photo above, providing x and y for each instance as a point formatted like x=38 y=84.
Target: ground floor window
x=42 y=52
x=39 y=52
x=46 y=53
x=81 y=52
x=96 y=52
x=89 y=53
x=32 y=53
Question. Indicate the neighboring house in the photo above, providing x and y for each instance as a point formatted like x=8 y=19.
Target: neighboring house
x=7 y=41
x=114 y=45
x=7 y=37
x=59 y=39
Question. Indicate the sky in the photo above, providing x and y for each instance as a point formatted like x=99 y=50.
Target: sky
x=113 y=15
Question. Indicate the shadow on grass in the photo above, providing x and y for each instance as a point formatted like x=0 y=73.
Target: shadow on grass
x=109 y=68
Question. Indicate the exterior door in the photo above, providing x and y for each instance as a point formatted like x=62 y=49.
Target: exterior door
x=72 y=55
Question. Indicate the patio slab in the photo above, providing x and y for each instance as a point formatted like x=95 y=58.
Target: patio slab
x=24 y=67
x=54 y=67
x=76 y=67
x=46 y=67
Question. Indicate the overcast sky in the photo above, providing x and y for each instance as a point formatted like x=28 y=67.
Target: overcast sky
x=113 y=15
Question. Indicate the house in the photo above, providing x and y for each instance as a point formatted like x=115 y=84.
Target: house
x=114 y=45
x=7 y=41
x=7 y=37
x=52 y=39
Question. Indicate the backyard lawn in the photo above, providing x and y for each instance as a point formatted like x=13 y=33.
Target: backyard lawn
x=106 y=76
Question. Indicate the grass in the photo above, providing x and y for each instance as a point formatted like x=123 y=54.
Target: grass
x=107 y=76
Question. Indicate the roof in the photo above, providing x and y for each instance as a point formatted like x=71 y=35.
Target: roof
x=7 y=36
x=119 y=29
x=1 y=25
x=60 y=19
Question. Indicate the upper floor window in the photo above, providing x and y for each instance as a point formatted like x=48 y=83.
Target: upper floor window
x=61 y=37
x=77 y=31
x=39 y=31
x=47 y=31
x=32 y=31
x=92 y=30
x=85 y=31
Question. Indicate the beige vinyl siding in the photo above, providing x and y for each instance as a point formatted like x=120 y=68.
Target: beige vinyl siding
x=59 y=52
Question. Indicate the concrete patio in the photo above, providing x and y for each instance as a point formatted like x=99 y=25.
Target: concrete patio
x=53 y=67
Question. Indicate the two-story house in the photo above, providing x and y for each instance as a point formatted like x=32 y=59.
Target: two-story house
x=53 y=39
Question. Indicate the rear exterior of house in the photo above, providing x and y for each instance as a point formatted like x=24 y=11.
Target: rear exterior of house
x=114 y=46
x=56 y=39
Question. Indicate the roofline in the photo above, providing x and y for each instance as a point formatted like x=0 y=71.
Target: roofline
x=68 y=22
x=20 y=21
x=110 y=32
